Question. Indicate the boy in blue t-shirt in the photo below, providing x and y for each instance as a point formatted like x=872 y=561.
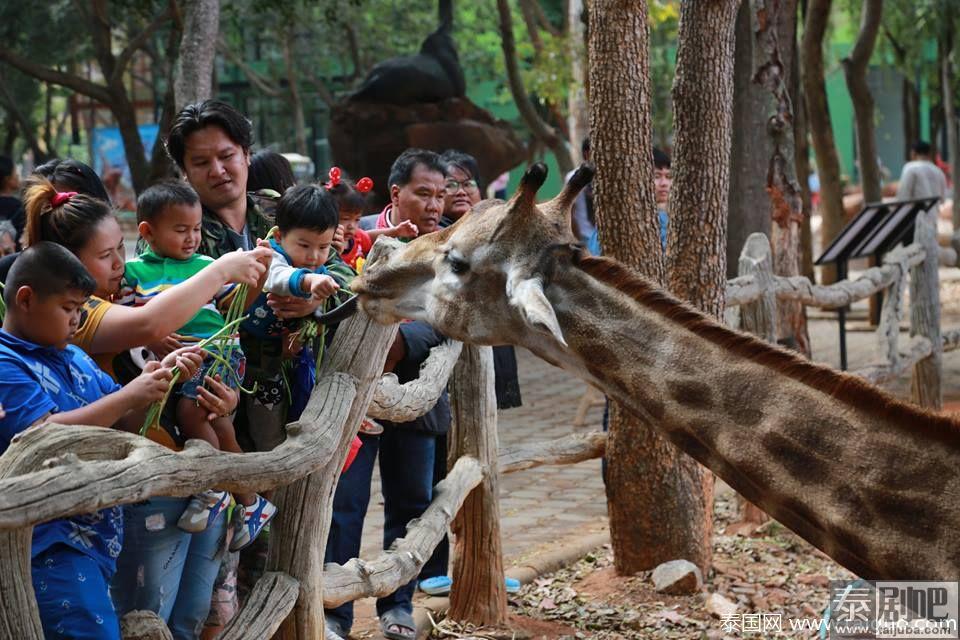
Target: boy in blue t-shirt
x=44 y=378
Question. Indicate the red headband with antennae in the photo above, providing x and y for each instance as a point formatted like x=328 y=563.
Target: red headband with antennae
x=334 y=178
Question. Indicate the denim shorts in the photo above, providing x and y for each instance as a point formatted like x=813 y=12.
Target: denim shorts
x=233 y=378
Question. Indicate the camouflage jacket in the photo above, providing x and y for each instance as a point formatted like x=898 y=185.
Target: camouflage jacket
x=216 y=240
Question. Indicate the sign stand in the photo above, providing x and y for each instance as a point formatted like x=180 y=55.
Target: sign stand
x=878 y=227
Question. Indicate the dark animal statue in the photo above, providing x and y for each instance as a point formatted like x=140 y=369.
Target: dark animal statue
x=432 y=75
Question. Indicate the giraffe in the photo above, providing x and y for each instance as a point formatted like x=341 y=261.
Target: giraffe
x=872 y=482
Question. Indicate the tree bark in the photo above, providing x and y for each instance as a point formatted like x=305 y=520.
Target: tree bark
x=821 y=130
x=775 y=34
x=478 y=595
x=749 y=205
x=855 y=68
x=198 y=47
x=696 y=253
x=540 y=129
x=649 y=484
x=801 y=132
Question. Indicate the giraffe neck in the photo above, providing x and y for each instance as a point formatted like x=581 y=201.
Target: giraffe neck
x=870 y=481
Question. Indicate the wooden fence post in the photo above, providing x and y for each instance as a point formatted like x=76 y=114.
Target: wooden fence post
x=925 y=316
x=299 y=531
x=478 y=594
x=760 y=319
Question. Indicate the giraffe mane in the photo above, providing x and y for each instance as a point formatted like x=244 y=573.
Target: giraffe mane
x=842 y=386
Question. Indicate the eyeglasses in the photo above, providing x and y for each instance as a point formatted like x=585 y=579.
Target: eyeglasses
x=467 y=185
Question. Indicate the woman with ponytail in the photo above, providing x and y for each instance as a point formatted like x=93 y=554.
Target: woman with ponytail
x=154 y=559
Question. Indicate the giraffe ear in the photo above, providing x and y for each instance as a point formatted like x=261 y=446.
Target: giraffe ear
x=526 y=294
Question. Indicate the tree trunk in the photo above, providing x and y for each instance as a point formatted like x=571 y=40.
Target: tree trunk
x=198 y=46
x=696 y=253
x=304 y=508
x=773 y=30
x=821 y=130
x=25 y=124
x=643 y=477
x=950 y=118
x=578 y=120
x=540 y=129
x=136 y=156
x=855 y=68
x=478 y=595
x=293 y=89
x=802 y=154
x=749 y=205
x=911 y=115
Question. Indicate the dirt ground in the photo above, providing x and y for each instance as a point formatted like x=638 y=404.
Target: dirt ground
x=768 y=574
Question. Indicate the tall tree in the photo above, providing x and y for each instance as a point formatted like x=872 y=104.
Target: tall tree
x=821 y=130
x=645 y=507
x=114 y=61
x=696 y=253
x=538 y=127
x=194 y=75
x=774 y=25
x=855 y=67
x=947 y=50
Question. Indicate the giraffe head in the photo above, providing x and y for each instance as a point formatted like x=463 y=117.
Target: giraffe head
x=482 y=279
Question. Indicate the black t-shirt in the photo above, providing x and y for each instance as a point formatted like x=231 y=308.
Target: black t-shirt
x=419 y=338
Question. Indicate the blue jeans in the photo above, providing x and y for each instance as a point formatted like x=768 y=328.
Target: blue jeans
x=166 y=570
x=440 y=559
x=406 y=473
x=72 y=595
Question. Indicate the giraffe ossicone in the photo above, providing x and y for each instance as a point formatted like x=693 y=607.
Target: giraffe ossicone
x=871 y=481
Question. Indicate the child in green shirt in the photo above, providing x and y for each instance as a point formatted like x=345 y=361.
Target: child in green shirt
x=169 y=220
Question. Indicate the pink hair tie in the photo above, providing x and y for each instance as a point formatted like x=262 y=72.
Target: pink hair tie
x=61 y=196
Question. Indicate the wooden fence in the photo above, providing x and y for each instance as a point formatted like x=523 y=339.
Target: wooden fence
x=57 y=471
x=752 y=299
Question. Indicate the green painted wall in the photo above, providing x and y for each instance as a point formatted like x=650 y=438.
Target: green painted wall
x=488 y=96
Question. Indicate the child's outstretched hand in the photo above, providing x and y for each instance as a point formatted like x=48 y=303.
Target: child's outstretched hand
x=244 y=267
x=405 y=229
x=150 y=386
x=321 y=286
x=187 y=359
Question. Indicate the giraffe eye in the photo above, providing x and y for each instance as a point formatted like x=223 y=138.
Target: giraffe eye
x=458 y=265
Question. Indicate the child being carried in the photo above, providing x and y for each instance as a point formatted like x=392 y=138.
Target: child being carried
x=169 y=220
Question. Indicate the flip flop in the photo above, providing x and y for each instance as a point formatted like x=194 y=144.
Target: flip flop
x=398 y=624
x=440 y=585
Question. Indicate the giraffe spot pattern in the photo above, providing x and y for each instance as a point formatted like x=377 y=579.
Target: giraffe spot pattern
x=691 y=393
x=742 y=402
x=911 y=515
x=796 y=459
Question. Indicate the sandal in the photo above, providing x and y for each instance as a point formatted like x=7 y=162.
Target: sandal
x=370 y=427
x=398 y=624
x=440 y=585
